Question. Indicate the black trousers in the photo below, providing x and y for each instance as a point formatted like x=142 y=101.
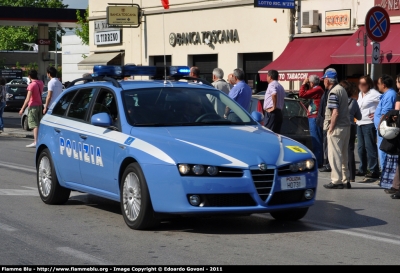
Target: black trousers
x=273 y=120
x=325 y=148
x=351 y=157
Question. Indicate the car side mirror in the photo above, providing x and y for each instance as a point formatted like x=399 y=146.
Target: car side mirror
x=102 y=120
x=257 y=116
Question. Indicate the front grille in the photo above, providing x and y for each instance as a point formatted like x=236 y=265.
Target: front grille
x=226 y=200
x=263 y=181
x=287 y=197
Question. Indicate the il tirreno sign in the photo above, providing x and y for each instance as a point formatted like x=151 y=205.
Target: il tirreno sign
x=107 y=38
x=204 y=37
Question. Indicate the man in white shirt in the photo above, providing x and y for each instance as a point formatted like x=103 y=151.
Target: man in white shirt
x=54 y=87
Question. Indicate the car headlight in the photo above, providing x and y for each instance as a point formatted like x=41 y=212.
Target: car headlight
x=184 y=168
x=198 y=169
x=302 y=166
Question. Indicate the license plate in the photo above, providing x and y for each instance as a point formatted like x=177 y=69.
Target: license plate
x=19 y=97
x=293 y=182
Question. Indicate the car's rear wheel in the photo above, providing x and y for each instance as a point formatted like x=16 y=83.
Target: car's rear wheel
x=25 y=124
x=50 y=191
x=290 y=214
x=136 y=206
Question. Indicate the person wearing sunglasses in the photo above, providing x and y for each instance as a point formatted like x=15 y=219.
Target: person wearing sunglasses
x=368 y=100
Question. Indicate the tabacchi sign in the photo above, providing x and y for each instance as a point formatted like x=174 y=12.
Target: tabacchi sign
x=123 y=15
x=391 y=6
x=293 y=76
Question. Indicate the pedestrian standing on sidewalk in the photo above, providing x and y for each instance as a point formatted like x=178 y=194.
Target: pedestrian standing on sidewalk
x=368 y=100
x=320 y=122
x=54 y=88
x=220 y=84
x=34 y=102
x=311 y=90
x=355 y=113
x=386 y=103
x=395 y=187
x=274 y=101
x=337 y=126
x=241 y=93
x=3 y=94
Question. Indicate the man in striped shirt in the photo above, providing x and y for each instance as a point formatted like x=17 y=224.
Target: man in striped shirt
x=337 y=124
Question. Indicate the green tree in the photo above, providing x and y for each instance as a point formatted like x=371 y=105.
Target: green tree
x=29 y=67
x=83 y=30
x=13 y=38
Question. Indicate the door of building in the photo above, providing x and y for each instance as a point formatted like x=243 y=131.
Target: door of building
x=206 y=63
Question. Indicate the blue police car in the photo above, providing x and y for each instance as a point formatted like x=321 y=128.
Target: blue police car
x=163 y=147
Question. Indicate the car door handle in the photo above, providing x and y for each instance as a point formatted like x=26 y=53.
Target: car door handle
x=83 y=136
x=57 y=130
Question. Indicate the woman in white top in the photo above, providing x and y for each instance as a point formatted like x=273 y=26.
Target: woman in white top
x=368 y=100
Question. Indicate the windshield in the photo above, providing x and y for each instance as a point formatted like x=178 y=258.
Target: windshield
x=174 y=106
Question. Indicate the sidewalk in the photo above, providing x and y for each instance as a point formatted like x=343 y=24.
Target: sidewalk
x=12 y=126
x=17 y=132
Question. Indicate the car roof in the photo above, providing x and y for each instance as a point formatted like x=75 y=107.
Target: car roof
x=135 y=84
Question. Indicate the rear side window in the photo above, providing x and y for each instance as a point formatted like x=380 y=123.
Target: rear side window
x=293 y=108
x=62 y=105
x=80 y=103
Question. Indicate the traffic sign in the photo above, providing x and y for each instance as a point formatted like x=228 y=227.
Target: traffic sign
x=376 y=53
x=377 y=24
x=43 y=41
x=282 y=4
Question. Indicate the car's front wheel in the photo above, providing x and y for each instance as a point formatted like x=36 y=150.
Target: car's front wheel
x=135 y=199
x=290 y=214
x=50 y=191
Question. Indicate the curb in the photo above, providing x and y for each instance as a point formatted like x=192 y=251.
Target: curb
x=17 y=134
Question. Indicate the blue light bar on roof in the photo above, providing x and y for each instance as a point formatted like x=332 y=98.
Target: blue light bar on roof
x=107 y=70
x=179 y=71
x=115 y=71
x=133 y=70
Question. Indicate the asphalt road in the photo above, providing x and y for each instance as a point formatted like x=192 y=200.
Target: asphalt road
x=359 y=226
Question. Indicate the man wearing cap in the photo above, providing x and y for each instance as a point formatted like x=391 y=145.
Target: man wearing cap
x=320 y=122
x=337 y=125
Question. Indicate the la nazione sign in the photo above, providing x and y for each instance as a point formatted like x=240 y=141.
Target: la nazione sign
x=123 y=15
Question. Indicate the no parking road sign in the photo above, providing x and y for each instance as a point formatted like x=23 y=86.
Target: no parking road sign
x=377 y=24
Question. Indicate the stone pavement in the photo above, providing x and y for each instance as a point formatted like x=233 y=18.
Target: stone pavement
x=12 y=125
x=17 y=132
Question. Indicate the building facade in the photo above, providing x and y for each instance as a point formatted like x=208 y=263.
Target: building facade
x=73 y=52
x=333 y=34
x=227 y=34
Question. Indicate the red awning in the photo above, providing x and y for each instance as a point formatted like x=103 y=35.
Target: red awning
x=350 y=53
x=304 y=56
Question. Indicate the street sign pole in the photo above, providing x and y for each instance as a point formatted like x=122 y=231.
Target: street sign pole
x=377 y=27
x=376 y=49
x=365 y=42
